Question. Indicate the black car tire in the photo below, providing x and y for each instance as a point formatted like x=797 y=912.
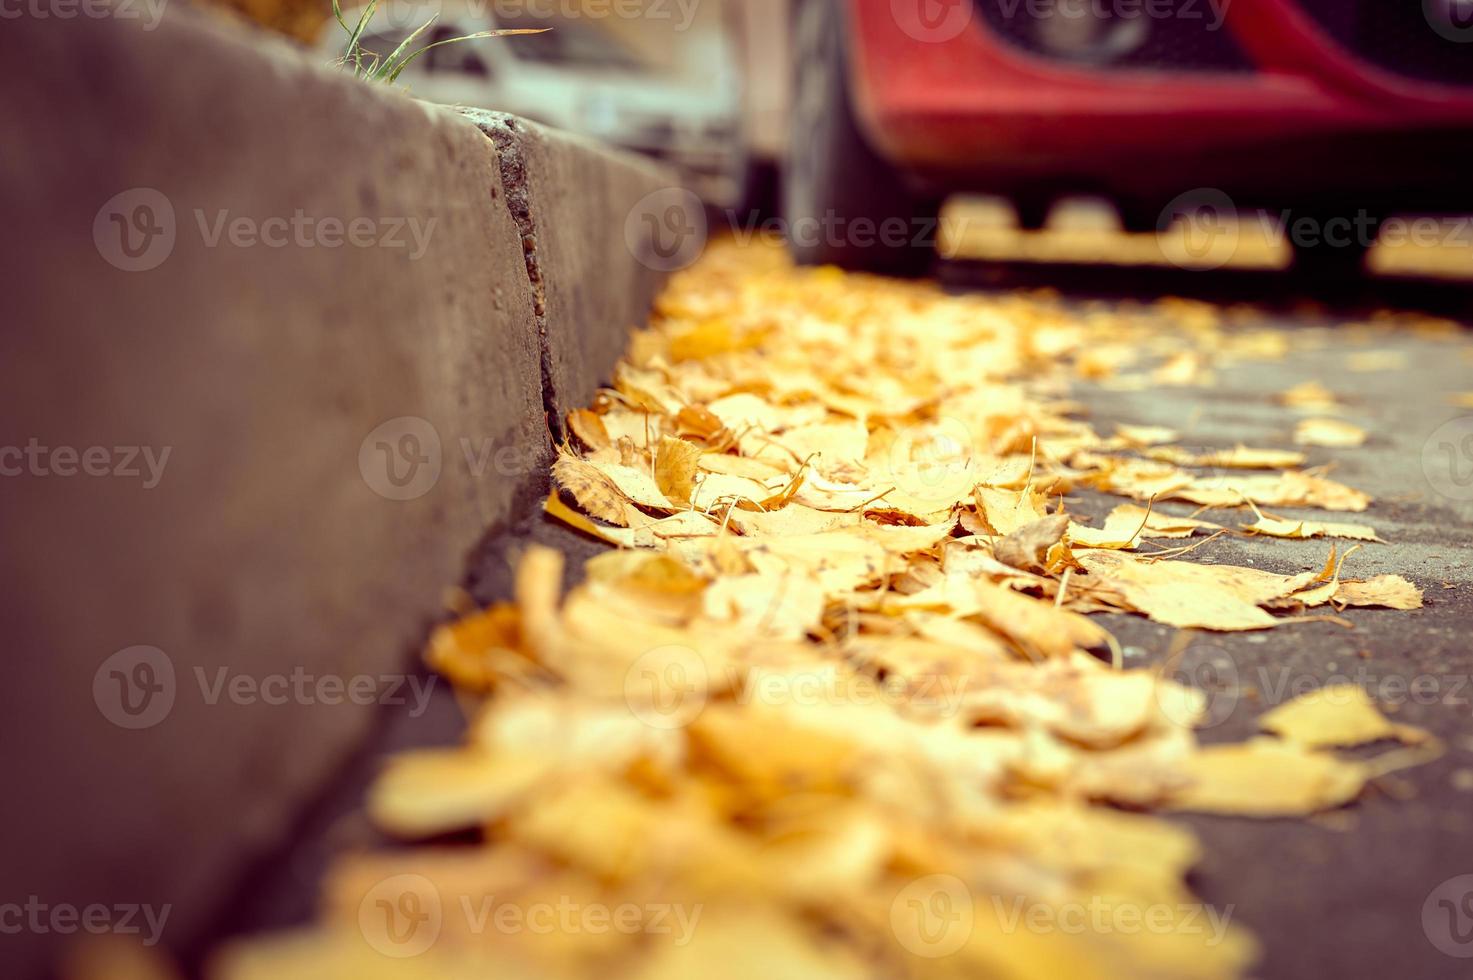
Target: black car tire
x=1328 y=257
x=843 y=204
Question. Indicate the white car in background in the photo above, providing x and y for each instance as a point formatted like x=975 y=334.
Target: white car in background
x=578 y=76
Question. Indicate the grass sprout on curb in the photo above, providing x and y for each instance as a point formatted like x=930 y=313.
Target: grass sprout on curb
x=370 y=67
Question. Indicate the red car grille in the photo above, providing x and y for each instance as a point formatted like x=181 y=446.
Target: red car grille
x=1430 y=41
x=1184 y=35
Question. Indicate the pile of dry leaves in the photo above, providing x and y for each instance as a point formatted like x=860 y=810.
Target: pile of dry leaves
x=834 y=706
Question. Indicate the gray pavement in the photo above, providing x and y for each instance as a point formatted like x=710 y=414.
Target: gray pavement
x=1343 y=895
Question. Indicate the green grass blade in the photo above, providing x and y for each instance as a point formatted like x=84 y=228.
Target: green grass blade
x=467 y=37
x=355 y=40
x=393 y=59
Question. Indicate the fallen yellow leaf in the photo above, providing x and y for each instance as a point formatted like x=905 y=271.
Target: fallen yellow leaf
x=1332 y=433
x=1333 y=716
x=1265 y=778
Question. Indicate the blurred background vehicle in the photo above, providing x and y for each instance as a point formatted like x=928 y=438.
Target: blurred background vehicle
x=606 y=78
x=764 y=47
x=1329 y=109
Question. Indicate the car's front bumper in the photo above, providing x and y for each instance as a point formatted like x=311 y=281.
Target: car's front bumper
x=1306 y=116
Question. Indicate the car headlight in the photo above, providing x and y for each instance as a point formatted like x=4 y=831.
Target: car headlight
x=1085 y=30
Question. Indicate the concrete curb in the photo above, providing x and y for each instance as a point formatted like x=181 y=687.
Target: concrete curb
x=585 y=252
x=258 y=411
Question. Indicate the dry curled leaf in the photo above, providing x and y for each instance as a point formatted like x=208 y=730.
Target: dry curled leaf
x=1331 y=433
x=1310 y=396
x=434 y=791
x=1334 y=716
x=1264 y=778
x=676 y=462
x=1187 y=595
x=1279 y=527
x=1362 y=361
x=1028 y=547
x=1391 y=591
x=1292 y=489
x=1145 y=435
x=1127 y=524
x=589 y=429
x=596 y=493
x=1238 y=458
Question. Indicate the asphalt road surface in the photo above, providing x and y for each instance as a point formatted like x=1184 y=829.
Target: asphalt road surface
x=1345 y=894
x=1370 y=890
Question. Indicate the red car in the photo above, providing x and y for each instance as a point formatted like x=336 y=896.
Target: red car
x=1330 y=113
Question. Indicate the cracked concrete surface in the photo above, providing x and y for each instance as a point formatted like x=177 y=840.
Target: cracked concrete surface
x=571 y=199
